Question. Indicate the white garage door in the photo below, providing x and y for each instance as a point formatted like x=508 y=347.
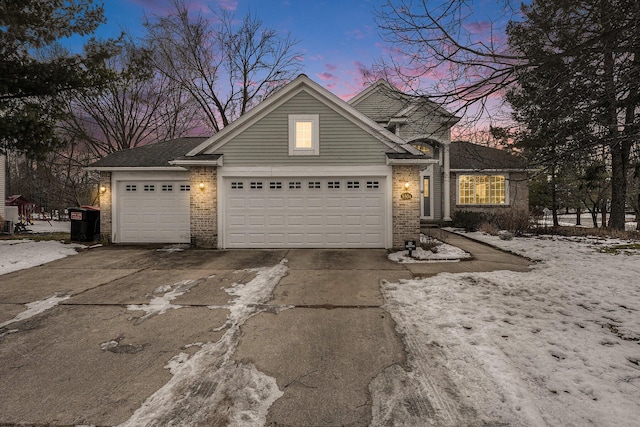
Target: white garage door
x=153 y=212
x=305 y=212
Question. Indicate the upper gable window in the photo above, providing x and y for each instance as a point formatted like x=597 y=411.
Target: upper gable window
x=304 y=135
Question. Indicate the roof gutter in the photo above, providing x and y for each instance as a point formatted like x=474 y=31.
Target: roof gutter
x=135 y=168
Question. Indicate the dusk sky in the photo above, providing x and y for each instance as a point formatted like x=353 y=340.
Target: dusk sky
x=337 y=38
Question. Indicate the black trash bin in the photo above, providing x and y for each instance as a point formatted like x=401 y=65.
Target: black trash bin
x=85 y=223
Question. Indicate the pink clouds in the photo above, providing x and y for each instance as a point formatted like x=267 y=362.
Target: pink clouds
x=163 y=8
x=331 y=67
x=228 y=4
x=478 y=27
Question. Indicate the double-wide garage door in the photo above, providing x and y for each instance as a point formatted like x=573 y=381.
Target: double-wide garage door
x=153 y=212
x=322 y=212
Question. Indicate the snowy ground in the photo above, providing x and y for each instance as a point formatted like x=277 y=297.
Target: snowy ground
x=555 y=346
x=24 y=253
x=585 y=221
x=20 y=254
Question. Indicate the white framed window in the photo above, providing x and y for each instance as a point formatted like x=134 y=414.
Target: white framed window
x=482 y=190
x=304 y=134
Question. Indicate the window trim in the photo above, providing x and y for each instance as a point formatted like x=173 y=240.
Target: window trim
x=507 y=202
x=315 y=134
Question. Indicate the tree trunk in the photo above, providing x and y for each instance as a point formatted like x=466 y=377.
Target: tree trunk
x=578 y=213
x=554 y=197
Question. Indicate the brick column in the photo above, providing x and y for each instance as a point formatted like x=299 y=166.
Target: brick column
x=406 y=211
x=106 y=206
x=204 y=205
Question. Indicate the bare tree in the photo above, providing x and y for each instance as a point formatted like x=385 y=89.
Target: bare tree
x=224 y=66
x=141 y=106
x=445 y=49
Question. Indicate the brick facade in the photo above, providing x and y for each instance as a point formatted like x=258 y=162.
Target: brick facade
x=106 y=207
x=406 y=212
x=204 y=205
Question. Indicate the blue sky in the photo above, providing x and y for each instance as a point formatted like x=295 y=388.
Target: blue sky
x=337 y=38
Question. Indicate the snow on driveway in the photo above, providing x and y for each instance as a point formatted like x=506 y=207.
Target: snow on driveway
x=210 y=388
x=21 y=254
x=555 y=346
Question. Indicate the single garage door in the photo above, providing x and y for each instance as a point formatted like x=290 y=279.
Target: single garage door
x=305 y=212
x=153 y=212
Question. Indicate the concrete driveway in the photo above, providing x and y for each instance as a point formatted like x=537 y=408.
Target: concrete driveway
x=138 y=336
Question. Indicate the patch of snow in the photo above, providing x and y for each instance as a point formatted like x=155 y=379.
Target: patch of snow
x=445 y=252
x=554 y=346
x=174 y=248
x=109 y=345
x=160 y=304
x=210 y=385
x=22 y=254
x=37 y=307
x=41 y=226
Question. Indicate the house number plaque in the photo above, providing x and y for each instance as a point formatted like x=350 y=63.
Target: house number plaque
x=406 y=196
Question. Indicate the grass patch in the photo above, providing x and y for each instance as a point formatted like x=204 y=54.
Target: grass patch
x=629 y=249
x=59 y=236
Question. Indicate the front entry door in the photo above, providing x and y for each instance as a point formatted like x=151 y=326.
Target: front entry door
x=426 y=194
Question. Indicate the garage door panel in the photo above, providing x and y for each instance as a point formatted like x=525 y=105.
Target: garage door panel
x=295 y=220
x=237 y=202
x=335 y=220
x=315 y=202
x=334 y=202
x=315 y=221
x=307 y=212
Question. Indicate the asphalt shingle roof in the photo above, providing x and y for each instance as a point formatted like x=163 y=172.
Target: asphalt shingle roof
x=150 y=155
x=465 y=155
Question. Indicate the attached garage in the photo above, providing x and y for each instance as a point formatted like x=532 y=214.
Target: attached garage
x=152 y=211
x=310 y=212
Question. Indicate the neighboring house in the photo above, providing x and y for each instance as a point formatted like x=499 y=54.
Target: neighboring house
x=302 y=169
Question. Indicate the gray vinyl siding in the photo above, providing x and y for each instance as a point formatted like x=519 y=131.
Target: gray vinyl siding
x=422 y=124
x=266 y=142
x=380 y=105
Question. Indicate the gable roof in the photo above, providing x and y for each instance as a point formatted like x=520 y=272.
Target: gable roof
x=409 y=103
x=469 y=156
x=151 y=155
x=299 y=84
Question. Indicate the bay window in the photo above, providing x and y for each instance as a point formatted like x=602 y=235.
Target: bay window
x=482 y=190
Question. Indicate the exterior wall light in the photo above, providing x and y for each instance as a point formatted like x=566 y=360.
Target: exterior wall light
x=201 y=185
x=406 y=185
x=103 y=189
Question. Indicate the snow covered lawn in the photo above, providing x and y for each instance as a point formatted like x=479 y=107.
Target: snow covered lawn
x=559 y=345
x=20 y=254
